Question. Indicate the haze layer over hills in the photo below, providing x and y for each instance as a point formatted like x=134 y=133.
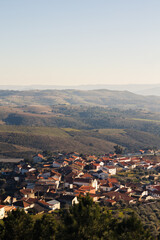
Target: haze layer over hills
x=143 y=89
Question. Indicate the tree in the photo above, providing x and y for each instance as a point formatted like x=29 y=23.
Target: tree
x=118 y=149
x=83 y=221
x=45 y=228
x=2 y=231
x=18 y=225
x=86 y=220
x=131 y=228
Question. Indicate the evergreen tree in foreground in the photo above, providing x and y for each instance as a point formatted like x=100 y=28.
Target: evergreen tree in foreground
x=86 y=220
x=17 y=226
x=45 y=228
x=83 y=221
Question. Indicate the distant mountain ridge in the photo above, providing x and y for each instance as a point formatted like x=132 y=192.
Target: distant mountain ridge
x=143 y=89
x=151 y=91
x=101 y=97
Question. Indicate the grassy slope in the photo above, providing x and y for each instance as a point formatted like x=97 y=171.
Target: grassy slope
x=131 y=139
x=53 y=139
x=14 y=138
x=44 y=131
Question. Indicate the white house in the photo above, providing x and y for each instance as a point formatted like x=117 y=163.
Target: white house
x=86 y=182
x=54 y=204
x=110 y=169
x=2 y=211
x=68 y=199
x=106 y=187
x=101 y=174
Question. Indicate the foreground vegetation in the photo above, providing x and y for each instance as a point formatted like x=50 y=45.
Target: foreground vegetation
x=86 y=220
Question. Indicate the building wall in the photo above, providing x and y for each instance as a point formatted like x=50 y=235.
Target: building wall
x=2 y=212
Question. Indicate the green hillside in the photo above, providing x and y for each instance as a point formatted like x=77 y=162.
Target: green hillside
x=72 y=120
x=32 y=139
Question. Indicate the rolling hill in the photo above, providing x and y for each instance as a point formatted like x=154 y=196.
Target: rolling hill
x=107 y=98
x=72 y=120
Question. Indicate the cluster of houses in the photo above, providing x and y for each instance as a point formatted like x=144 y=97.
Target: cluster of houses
x=50 y=183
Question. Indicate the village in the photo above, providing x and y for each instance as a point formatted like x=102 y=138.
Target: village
x=52 y=181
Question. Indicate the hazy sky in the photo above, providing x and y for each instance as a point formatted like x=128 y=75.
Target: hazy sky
x=67 y=42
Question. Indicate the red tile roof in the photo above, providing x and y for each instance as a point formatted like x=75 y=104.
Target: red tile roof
x=2 y=206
